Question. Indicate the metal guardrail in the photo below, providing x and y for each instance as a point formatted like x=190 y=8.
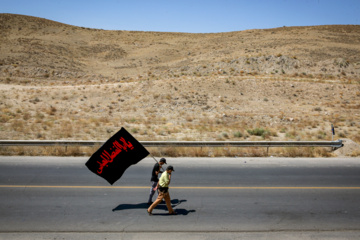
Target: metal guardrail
x=333 y=144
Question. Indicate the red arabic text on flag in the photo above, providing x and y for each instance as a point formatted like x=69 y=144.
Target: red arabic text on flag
x=117 y=154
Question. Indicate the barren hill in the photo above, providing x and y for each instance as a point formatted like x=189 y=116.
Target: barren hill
x=35 y=47
x=65 y=82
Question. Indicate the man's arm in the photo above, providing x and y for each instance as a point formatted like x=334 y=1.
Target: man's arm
x=167 y=180
x=159 y=171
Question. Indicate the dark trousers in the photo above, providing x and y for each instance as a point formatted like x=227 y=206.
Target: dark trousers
x=152 y=191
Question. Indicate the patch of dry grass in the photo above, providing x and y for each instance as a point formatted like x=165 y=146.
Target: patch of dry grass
x=47 y=151
x=177 y=151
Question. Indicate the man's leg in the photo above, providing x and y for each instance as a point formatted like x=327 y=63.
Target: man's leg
x=152 y=192
x=168 y=202
x=157 y=201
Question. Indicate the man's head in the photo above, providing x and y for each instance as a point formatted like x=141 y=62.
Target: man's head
x=162 y=161
x=170 y=169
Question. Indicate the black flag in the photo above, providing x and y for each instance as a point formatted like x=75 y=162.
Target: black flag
x=117 y=154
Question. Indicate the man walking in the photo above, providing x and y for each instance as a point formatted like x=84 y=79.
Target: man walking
x=154 y=178
x=163 y=186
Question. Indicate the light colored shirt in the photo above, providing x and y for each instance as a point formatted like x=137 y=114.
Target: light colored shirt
x=164 y=180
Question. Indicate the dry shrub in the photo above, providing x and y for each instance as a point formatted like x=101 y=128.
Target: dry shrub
x=66 y=130
x=323 y=152
x=47 y=151
x=26 y=116
x=17 y=125
x=51 y=111
x=179 y=152
x=169 y=151
x=356 y=137
x=306 y=152
x=4 y=118
x=64 y=151
x=11 y=151
x=20 y=151
x=255 y=152
x=208 y=152
x=155 y=151
x=355 y=153
x=174 y=151
x=296 y=152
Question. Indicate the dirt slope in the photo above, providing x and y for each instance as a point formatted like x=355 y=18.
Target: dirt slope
x=35 y=47
x=65 y=82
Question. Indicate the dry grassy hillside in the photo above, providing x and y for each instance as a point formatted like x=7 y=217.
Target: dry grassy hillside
x=64 y=82
x=35 y=47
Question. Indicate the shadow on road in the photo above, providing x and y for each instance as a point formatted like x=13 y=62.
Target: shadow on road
x=161 y=206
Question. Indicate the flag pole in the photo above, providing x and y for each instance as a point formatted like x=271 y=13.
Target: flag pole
x=154 y=158
x=156 y=161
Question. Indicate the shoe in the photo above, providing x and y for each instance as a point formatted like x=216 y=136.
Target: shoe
x=150 y=213
x=173 y=213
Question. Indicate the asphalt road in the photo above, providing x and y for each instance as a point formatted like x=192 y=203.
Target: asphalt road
x=215 y=198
